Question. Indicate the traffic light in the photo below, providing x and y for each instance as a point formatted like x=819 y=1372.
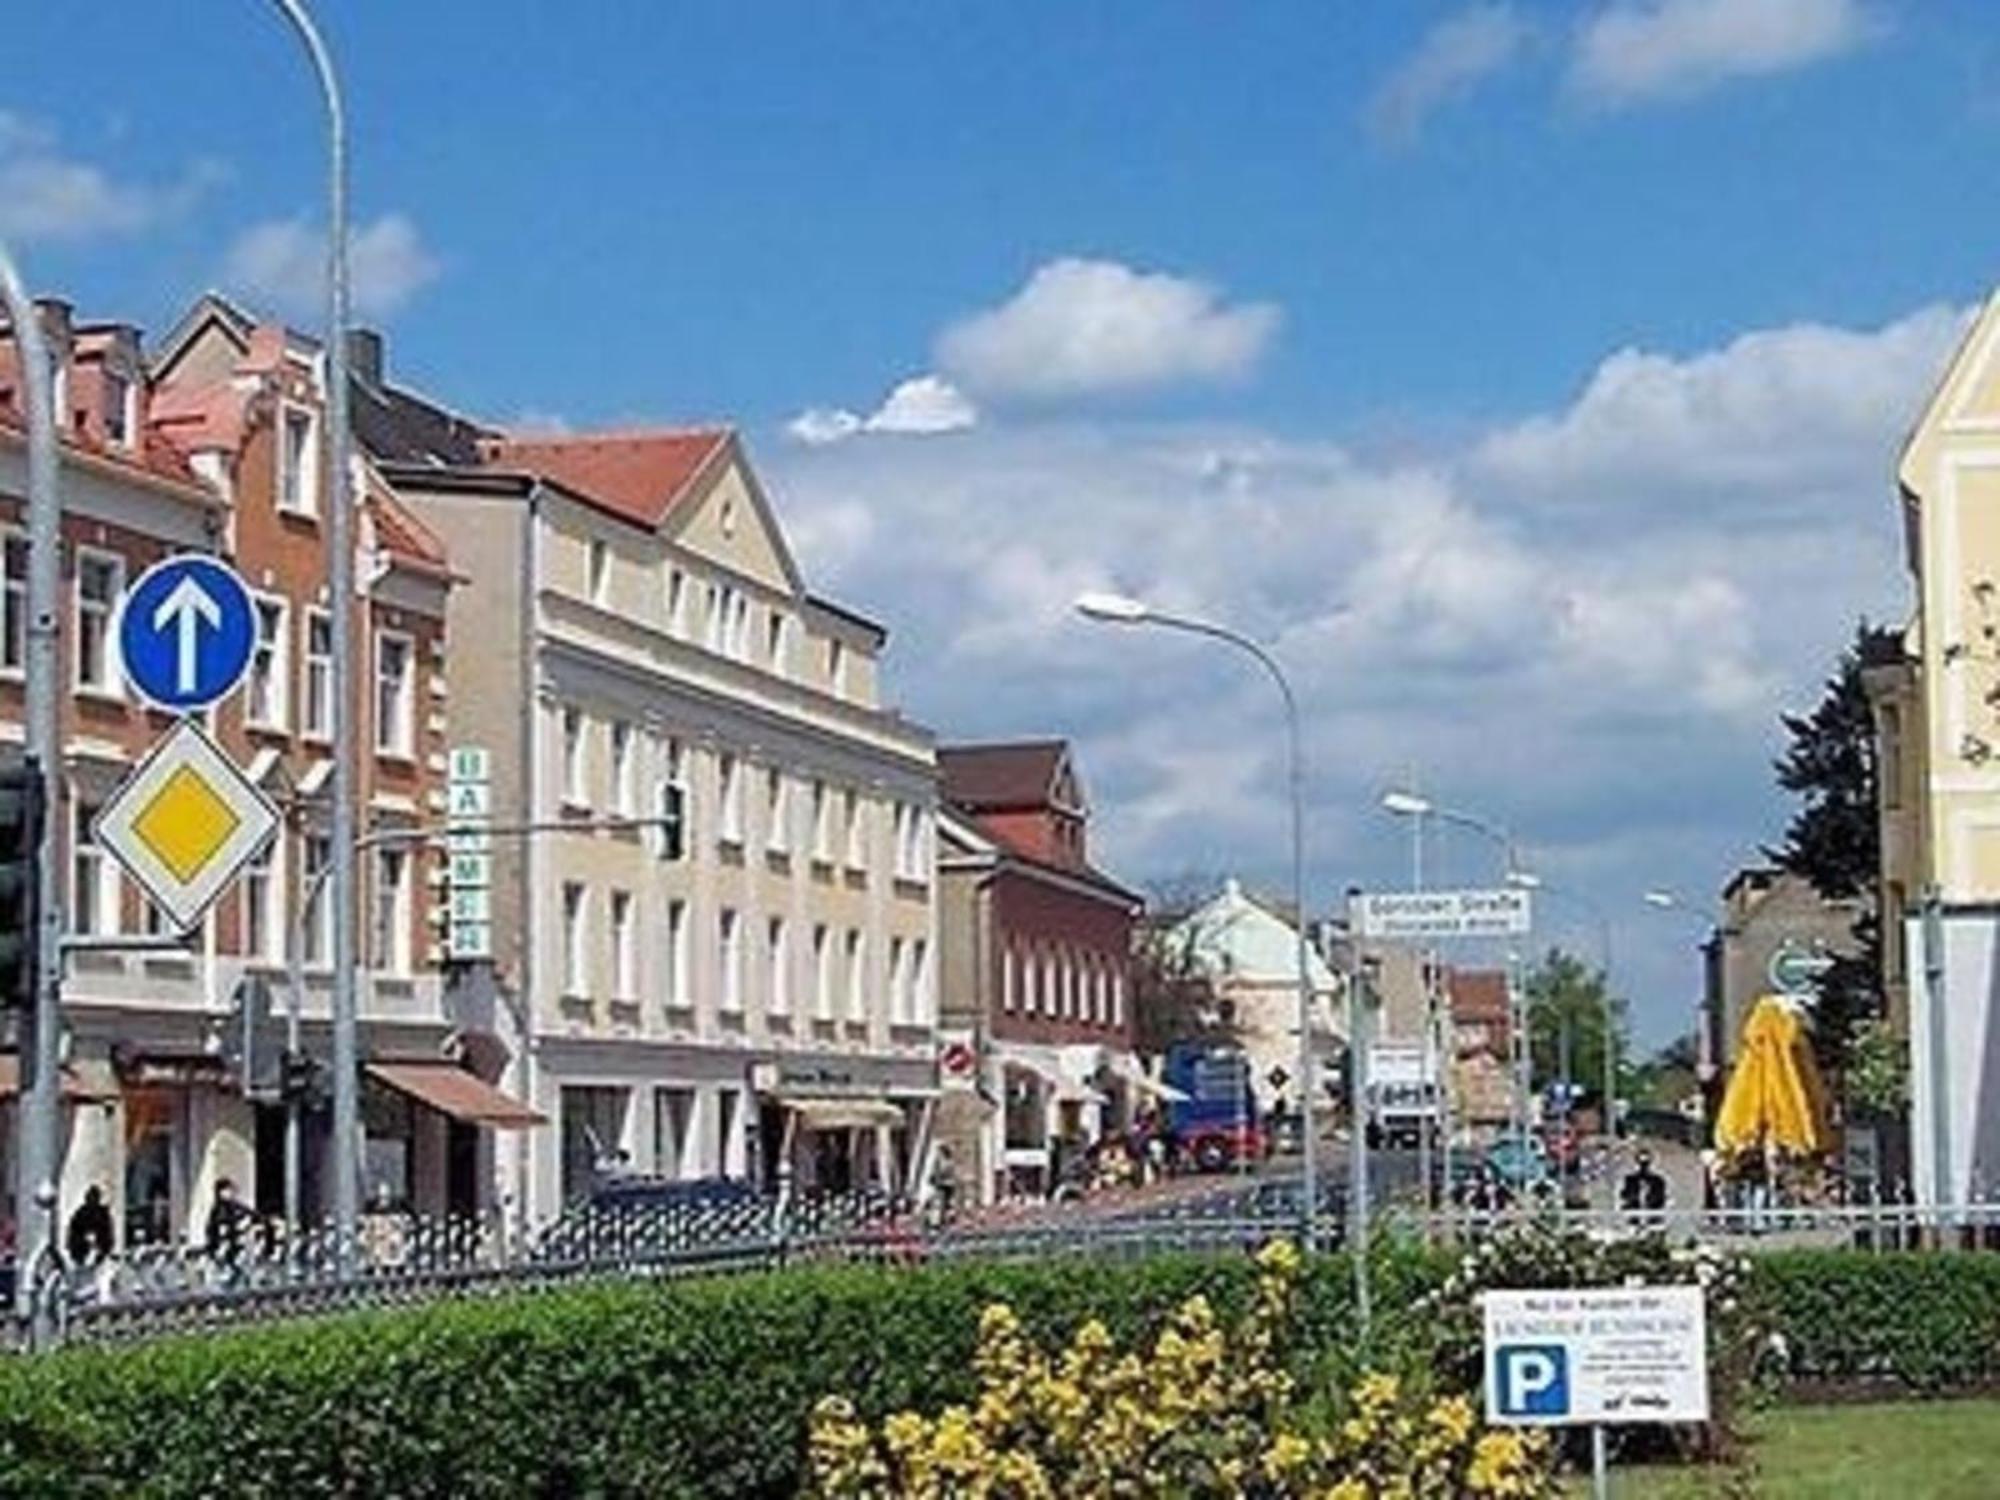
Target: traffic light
x=298 y=1077
x=673 y=820
x=22 y=821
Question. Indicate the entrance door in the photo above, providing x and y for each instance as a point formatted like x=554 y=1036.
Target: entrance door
x=461 y=1170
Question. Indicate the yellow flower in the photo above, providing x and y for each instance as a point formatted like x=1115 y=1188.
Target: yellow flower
x=1377 y=1392
x=1287 y=1455
x=1280 y=1257
x=1347 y=1489
x=1452 y=1419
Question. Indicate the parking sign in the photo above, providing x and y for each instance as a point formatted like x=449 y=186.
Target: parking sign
x=1582 y=1355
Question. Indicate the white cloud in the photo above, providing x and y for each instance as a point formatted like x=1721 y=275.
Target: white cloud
x=46 y=194
x=1453 y=58
x=1605 y=679
x=1636 y=51
x=922 y=406
x=1080 y=327
x=283 y=262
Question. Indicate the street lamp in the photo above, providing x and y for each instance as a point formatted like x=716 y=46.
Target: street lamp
x=1527 y=880
x=1122 y=609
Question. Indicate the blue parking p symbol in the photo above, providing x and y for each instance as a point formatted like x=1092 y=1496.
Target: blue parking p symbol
x=1533 y=1380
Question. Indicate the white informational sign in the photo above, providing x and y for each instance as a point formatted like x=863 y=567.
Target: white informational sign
x=1399 y=1063
x=1503 y=912
x=1571 y=1356
x=469 y=866
x=184 y=822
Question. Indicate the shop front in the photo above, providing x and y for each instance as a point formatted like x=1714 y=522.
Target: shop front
x=846 y=1126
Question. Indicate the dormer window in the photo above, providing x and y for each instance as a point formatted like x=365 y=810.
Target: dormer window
x=298 y=462
x=120 y=409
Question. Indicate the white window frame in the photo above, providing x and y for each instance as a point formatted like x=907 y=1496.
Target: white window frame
x=575 y=940
x=777 y=811
x=403 y=745
x=126 y=389
x=318 y=926
x=391 y=911
x=298 y=477
x=822 y=823
x=778 y=982
x=920 y=979
x=13 y=603
x=898 y=957
x=263 y=890
x=675 y=977
x=822 y=961
x=316 y=678
x=857 y=830
x=857 y=974
x=624 y=951
x=729 y=959
x=1010 y=997
x=836 y=667
x=624 y=742
x=276 y=710
x=597 y=571
x=106 y=915
x=97 y=672
x=574 y=727
x=729 y=799
x=676 y=600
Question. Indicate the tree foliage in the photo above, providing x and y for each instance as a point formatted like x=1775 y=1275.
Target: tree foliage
x=1562 y=990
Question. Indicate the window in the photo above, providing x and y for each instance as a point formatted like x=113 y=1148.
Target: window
x=600 y=573
x=676 y=601
x=317 y=856
x=298 y=470
x=1010 y=978
x=319 y=674
x=780 y=642
x=14 y=603
x=729 y=778
x=263 y=910
x=575 y=950
x=395 y=660
x=836 y=668
x=621 y=770
x=392 y=910
x=1117 y=996
x=857 y=835
x=920 y=982
x=673 y=1132
x=777 y=833
x=624 y=959
x=822 y=824
x=780 y=988
x=118 y=409
x=897 y=979
x=676 y=976
x=822 y=960
x=100 y=579
x=857 y=976
x=912 y=843
x=739 y=625
x=729 y=934
x=574 y=791
x=93 y=879
x=716 y=613
x=670 y=802
x=264 y=700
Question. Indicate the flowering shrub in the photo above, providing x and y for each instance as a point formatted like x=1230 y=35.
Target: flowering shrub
x=1207 y=1410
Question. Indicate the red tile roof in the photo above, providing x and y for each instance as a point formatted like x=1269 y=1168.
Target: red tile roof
x=1478 y=996
x=402 y=535
x=638 y=476
x=195 y=417
x=156 y=456
x=981 y=778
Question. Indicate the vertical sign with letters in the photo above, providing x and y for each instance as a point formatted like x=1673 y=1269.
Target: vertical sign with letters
x=469 y=852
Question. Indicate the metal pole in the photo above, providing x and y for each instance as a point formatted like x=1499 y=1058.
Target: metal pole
x=341 y=605
x=1938 y=1040
x=1357 y=1139
x=40 y=1105
x=1600 y=1464
x=295 y=999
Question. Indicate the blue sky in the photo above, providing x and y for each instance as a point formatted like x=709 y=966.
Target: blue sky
x=1529 y=373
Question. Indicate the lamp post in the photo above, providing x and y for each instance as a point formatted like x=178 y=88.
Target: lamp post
x=1527 y=880
x=1708 y=1040
x=1416 y=807
x=1118 y=609
x=341 y=605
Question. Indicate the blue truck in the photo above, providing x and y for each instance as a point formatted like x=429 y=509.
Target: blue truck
x=1212 y=1114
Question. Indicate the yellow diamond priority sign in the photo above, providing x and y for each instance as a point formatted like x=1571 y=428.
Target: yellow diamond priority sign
x=185 y=822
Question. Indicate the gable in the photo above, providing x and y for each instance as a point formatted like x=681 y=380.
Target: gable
x=1966 y=401
x=727 y=519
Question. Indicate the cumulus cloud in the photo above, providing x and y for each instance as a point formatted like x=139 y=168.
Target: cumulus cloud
x=1454 y=57
x=1639 y=51
x=282 y=262
x=1083 y=327
x=48 y=194
x=1611 y=690
x=922 y=406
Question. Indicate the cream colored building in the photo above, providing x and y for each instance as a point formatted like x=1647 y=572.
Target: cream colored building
x=764 y=1005
x=1937 y=708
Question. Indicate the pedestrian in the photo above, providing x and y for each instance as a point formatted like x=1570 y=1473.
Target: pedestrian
x=1643 y=1190
x=223 y=1236
x=91 y=1234
x=944 y=1183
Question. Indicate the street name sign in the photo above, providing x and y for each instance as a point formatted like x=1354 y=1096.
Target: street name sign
x=469 y=867
x=1502 y=912
x=185 y=822
x=186 y=630
x=1579 y=1356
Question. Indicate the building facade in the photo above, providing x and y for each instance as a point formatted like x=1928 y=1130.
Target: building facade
x=1036 y=1018
x=760 y=1002
x=214 y=443
x=1764 y=910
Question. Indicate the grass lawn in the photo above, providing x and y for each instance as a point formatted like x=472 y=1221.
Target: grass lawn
x=1937 y=1450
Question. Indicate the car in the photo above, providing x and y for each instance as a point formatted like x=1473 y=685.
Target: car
x=1519 y=1161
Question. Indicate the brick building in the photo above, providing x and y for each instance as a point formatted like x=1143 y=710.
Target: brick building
x=1036 y=1025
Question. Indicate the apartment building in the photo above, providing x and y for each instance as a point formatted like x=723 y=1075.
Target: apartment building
x=215 y=443
x=633 y=635
x=1037 y=946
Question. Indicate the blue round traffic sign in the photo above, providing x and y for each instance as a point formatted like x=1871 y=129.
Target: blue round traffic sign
x=186 y=631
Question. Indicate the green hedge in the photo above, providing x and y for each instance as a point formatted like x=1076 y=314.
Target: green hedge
x=701 y=1387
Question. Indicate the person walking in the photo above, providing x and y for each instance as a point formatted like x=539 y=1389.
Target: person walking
x=1643 y=1191
x=223 y=1234
x=91 y=1236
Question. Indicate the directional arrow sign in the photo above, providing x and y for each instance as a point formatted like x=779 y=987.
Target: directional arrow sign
x=185 y=822
x=186 y=630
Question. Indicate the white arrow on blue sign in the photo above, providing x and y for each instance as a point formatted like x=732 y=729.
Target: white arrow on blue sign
x=186 y=631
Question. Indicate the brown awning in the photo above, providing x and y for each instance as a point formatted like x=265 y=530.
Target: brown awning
x=73 y=1087
x=450 y=1090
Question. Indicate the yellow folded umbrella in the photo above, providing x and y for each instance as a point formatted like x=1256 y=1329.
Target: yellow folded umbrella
x=1775 y=1096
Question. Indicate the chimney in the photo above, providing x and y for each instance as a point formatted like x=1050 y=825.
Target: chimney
x=364 y=355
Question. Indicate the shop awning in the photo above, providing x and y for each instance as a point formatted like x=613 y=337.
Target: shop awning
x=450 y=1090
x=73 y=1087
x=844 y=1114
